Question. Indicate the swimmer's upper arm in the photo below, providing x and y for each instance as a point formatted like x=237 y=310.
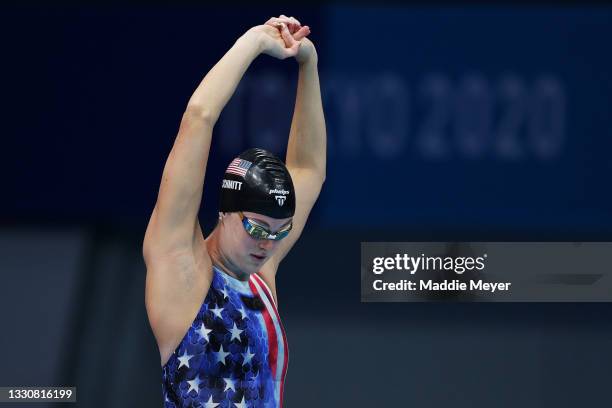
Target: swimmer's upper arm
x=307 y=184
x=173 y=224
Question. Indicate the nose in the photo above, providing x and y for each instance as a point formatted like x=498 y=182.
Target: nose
x=266 y=244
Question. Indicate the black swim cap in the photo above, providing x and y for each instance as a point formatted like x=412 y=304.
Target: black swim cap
x=257 y=181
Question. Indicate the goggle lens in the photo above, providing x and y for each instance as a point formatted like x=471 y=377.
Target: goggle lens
x=259 y=232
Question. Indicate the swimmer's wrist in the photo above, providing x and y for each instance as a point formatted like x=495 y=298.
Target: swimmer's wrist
x=254 y=37
x=307 y=55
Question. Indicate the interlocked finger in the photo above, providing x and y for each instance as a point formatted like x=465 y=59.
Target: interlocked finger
x=292 y=23
x=301 y=33
x=290 y=42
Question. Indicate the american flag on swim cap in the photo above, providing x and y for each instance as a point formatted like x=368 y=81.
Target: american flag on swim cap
x=238 y=167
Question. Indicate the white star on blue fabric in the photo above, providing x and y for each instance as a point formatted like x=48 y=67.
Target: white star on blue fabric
x=221 y=354
x=229 y=384
x=184 y=359
x=235 y=332
x=194 y=384
x=210 y=403
x=255 y=377
x=203 y=332
x=247 y=356
x=242 y=312
x=217 y=312
x=224 y=291
x=241 y=404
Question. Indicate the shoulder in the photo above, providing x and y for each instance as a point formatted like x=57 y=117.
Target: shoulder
x=176 y=286
x=177 y=277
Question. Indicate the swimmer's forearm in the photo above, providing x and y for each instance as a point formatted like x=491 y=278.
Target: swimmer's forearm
x=219 y=84
x=308 y=137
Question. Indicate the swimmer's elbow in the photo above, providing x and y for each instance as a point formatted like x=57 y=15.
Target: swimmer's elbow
x=200 y=113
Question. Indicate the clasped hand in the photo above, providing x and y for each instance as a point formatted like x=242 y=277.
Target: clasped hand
x=283 y=37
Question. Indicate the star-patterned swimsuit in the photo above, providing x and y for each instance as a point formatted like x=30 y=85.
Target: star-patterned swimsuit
x=235 y=352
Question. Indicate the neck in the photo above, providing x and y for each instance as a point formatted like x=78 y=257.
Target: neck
x=220 y=260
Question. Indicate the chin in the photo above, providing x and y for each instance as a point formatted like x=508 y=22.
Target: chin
x=251 y=267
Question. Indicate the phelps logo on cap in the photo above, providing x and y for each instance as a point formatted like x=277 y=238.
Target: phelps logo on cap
x=280 y=199
x=277 y=191
x=238 y=167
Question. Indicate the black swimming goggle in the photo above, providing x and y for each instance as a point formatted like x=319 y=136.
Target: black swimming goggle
x=258 y=231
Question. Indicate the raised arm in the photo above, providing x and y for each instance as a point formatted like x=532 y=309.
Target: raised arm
x=306 y=150
x=173 y=225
